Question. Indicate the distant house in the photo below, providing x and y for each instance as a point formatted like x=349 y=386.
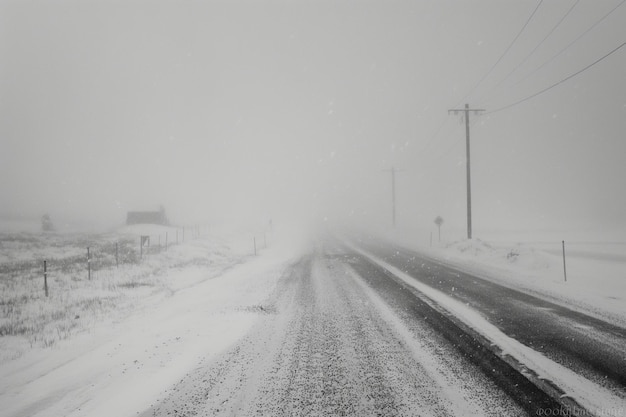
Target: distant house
x=147 y=217
x=46 y=223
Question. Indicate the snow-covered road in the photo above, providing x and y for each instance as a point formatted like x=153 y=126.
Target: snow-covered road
x=316 y=330
x=328 y=344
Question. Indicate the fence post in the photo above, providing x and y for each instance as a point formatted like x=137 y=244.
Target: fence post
x=45 y=276
x=564 y=268
x=88 y=264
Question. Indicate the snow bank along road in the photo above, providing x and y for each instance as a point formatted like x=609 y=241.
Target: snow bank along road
x=572 y=354
x=341 y=335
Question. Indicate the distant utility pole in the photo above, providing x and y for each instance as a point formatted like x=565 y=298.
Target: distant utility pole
x=393 y=194
x=467 y=111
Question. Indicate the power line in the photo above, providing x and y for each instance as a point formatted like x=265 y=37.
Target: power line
x=557 y=83
x=504 y=53
x=539 y=44
x=573 y=42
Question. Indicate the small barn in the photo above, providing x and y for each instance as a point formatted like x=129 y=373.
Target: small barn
x=147 y=217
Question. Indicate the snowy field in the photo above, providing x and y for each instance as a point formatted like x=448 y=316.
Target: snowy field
x=81 y=291
x=137 y=327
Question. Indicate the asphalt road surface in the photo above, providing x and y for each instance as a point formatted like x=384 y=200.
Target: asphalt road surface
x=590 y=347
x=340 y=337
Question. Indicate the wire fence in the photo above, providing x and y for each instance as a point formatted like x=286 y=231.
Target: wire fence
x=87 y=262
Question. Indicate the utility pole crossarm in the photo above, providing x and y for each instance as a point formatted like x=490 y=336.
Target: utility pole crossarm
x=456 y=111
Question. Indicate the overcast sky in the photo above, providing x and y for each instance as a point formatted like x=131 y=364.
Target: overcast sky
x=251 y=110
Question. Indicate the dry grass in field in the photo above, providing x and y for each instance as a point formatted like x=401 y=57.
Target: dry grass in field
x=77 y=299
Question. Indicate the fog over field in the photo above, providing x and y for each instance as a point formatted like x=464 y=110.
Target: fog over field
x=246 y=111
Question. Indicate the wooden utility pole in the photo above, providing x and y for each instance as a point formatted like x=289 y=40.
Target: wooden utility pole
x=393 y=194
x=564 y=267
x=467 y=110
